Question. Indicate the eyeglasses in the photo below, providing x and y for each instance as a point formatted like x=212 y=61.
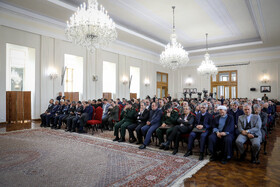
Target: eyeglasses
x=202 y=107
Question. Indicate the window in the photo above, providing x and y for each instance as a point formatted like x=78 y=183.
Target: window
x=224 y=84
x=20 y=70
x=73 y=74
x=135 y=80
x=109 y=77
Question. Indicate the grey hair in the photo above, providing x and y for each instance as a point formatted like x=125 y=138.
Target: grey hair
x=204 y=104
x=257 y=106
x=246 y=104
x=236 y=103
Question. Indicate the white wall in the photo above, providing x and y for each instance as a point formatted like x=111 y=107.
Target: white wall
x=50 y=54
x=249 y=76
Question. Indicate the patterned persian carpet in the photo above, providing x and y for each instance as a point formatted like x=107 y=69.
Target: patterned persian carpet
x=44 y=157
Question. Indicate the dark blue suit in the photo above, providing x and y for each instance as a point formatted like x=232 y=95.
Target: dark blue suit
x=235 y=116
x=155 y=120
x=207 y=124
x=51 y=115
x=225 y=141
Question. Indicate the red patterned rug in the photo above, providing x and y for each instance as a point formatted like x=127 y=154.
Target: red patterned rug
x=44 y=157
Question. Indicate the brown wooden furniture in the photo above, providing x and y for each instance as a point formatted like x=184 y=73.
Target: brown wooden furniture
x=133 y=95
x=18 y=107
x=107 y=95
x=72 y=96
x=162 y=84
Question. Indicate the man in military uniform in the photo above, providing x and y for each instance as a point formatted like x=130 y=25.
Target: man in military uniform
x=48 y=111
x=169 y=120
x=128 y=116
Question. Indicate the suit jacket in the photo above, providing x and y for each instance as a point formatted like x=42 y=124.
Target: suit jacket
x=207 y=123
x=89 y=111
x=235 y=115
x=229 y=124
x=50 y=107
x=105 y=109
x=114 y=113
x=155 y=117
x=54 y=109
x=263 y=116
x=190 y=118
x=255 y=123
x=143 y=118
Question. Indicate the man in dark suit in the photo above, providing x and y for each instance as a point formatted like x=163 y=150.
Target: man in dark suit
x=142 y=118
x=48 y=111
x=236 y=112
x=113 y=115
x=202 y=128
x=222 y=136
x=58 y=113
x=70 y=116
x=65 y=113
x=76 y=118
x=50 y=115
x=185 y=121
x=86 y=115
x=249 y=126
x=152 y=124
x=263 y=115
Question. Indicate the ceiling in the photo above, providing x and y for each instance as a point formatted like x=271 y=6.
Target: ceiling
x=147 y=24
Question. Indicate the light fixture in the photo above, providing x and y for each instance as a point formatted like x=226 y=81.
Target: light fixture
x=207 y=66
x=125 y=80
x=174 y=55
x=147 y=82
x=189 y=81
x=95 y=78
x=91 y=27
x=53 y=73
x=265 y=79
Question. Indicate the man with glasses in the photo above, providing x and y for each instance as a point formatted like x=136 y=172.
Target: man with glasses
x=201 y=130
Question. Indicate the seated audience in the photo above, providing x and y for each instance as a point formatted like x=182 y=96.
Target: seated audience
x=169 y=120
x=50 y=116
x=235 y=112
x=113 y=115
x=128 y=116
x=77 y=117
x=71 y=115
x=86 y=115
x=186 y=121
x=249 y=126
x=201 y=130
x=63 y=115
x=222 y=136
x=58 y=113
x=47 y=112
x=142 y=118
x=152 y=124
x=263 y=115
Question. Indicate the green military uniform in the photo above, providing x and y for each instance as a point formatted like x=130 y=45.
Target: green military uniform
x=128 y=117
x=170 y=122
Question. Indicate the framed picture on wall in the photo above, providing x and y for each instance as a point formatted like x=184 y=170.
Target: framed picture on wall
x=265 y=89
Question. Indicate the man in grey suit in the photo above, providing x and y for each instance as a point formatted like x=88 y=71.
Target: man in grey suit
x=249 y=126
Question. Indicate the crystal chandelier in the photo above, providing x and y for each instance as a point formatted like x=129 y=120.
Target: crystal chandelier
x=174 y=56
x=91 y=27
x=207 y=66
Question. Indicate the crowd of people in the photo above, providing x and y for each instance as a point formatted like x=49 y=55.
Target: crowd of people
x=220 y=125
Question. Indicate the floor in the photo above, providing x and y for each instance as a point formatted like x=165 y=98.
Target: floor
x=234 y=173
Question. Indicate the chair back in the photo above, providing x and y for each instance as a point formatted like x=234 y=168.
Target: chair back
x=93 y=113
x=98 y=113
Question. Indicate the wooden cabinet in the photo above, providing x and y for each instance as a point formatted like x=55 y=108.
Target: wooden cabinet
x=133 y=95
x=72 y=96
x=18 y=107
x=107 y=95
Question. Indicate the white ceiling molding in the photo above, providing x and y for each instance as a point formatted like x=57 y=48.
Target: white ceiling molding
x=227 y=46
x=257 y=15
x=31 y=15
x=240 y=52
x=218 y=12
x=72 y=8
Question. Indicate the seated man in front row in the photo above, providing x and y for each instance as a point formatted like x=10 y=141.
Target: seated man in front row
x=202 y=126
x=249 y=126
x=223 y=135
x=152 y=124
x=169 y=120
